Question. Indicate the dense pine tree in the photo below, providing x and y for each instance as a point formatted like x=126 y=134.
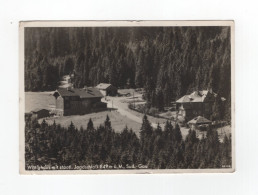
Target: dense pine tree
x=156 y=148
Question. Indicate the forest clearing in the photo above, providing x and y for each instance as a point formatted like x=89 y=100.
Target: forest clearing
x=119 y=113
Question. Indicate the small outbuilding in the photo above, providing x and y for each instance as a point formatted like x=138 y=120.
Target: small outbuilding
x=39 y=113
x=199 y=122
x=107 y=89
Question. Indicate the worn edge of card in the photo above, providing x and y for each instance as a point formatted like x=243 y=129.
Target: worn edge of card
x=119 y=23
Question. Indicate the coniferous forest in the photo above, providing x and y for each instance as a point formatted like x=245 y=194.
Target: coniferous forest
x=167 y=62
x=53 y=147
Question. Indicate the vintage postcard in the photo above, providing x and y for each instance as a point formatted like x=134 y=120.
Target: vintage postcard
x=126 y=97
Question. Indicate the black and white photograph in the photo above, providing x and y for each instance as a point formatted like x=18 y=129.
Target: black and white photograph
x=127 y=97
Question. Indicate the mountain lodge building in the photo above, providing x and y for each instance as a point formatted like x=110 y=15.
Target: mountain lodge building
x=74 y=101
x=198 y=103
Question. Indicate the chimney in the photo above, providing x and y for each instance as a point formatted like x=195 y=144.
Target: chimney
x=210 y=90
x=85 y=88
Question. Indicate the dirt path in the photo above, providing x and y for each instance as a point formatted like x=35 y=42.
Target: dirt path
x=122 y=111
x=122 y=108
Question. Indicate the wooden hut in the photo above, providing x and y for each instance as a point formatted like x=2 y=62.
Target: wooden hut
x=39 y=113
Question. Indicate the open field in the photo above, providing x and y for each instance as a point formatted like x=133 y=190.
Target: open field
x=118 y=121
x=34 y=100
x=119 y=118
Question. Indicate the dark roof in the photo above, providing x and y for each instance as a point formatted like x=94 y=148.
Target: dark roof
x=199 y=120
x=103 y=86
x=89 y=92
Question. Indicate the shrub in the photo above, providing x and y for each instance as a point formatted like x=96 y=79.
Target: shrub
x=153 y=111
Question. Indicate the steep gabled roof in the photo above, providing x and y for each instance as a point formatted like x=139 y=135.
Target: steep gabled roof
x=103 y=86
x=196 y=96
x=185 y=98
x=199 y=120
x=89 y=92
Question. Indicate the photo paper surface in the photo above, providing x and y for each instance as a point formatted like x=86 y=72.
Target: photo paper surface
x=101 y=97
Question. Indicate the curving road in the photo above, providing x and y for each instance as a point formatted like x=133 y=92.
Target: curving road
x=122 y=108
